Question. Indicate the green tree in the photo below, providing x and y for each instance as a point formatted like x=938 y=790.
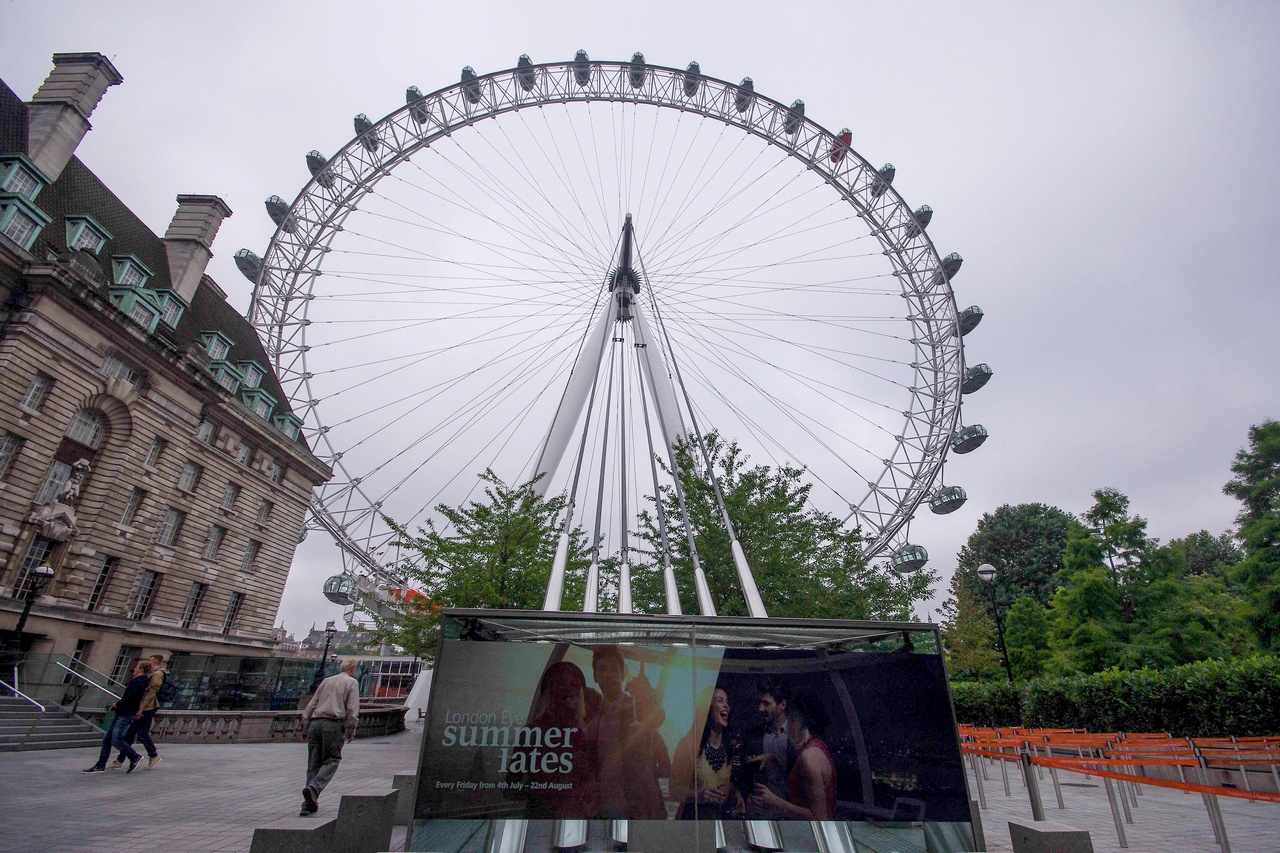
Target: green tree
x=1086 y=629
x=1205 y=554
x=1122 y=537
x=1256 y=484
x=968 y=637
x=493 y=553
x=1025 y=543
x=1183 y=620
x=1026 y=629
x=410 y=622
x=806 y=563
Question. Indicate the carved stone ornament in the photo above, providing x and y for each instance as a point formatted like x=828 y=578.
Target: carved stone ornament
x=57 y=518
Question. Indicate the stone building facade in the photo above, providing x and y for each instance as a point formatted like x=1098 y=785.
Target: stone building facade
x=147 y=452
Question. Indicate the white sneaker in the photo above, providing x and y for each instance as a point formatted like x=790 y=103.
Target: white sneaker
x=152 y=762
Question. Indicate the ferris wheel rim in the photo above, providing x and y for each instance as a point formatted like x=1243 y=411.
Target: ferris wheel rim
x=283 y=290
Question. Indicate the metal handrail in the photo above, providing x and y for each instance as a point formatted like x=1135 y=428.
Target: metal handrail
x=88 y=681
x=16 y=692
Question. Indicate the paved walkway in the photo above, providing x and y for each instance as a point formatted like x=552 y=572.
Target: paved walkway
x=1163 y=820
x=199 y=799
x=209 y=799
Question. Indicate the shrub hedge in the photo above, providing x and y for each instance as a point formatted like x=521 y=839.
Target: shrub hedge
x=1219 y=697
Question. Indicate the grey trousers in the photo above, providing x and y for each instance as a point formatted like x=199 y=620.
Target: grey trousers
x=324 y=751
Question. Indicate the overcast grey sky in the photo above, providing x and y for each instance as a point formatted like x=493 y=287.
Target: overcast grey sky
x=1108 y=171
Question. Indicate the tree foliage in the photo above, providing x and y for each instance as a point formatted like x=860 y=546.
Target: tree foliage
x=1256 y=484
x=1087 y=595
x=1025 y=543
x=968 y=636
x=805 y=561
x=492 y=553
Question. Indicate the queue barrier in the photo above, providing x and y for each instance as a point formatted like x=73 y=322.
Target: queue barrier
x=1123 y=757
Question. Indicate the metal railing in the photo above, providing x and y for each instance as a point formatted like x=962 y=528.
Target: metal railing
x=67 y=683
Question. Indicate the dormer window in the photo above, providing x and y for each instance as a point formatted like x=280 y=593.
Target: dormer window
x=171 y=310
x=217 y=345
x=129 y=271
x=227 y=376
x=20 y=220
x=260 y=403
x=252 y=374
x=19 y=176
x=289 y=425
x=85 y=234
x=143 y=314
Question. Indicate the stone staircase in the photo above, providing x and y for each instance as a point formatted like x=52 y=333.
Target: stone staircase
x=22 y=727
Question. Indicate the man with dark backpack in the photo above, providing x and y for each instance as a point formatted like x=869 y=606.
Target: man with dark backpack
x=161 y=690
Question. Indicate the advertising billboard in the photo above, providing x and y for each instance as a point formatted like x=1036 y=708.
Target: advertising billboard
x=579 y=717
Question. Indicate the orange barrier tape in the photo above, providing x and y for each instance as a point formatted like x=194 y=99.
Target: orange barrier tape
x=1002 y=756
x=1083 y=766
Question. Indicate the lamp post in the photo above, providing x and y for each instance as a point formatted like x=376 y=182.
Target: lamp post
x=988 y=573
x=329 y=632
x=37 y=580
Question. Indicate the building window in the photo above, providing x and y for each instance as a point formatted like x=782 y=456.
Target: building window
x=103 y=581
x=20 y=228
x=131 y=508
x=171 y=527
x=194 y=598
x=275 y=471
x=114 y=368
x=145 y=594
x=217 y=346
x=121 y=669
x=157 y=450
x=252 y=375
x=37 y=392
x=250 y=556
x=233 y=610
x=264 y=512
x=141 y=314
x=22 y=182
x=207 y=432
x=213 y=542
x=172 y=312
x=190 y=477
x=10 y=447
x=37 y=554
x=59 y=473
x=77 y=659
x=230 y=495
x=262 y=408
x=85 y=234
x=228 y=381
x=85 y=428
x=244 y=454
x=129 y=271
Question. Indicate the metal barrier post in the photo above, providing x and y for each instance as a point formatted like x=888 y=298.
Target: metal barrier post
x=1115 y=811
x=975 y=760
x=1004 y=771
x=1033 y=786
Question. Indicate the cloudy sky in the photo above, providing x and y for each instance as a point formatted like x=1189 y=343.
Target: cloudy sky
x=1107 y=170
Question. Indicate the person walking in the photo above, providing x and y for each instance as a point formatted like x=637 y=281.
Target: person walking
x=126 y=708
x=140 y=728
x=329 y=718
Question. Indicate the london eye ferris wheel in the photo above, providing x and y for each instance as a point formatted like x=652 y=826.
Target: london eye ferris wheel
x=564 y=268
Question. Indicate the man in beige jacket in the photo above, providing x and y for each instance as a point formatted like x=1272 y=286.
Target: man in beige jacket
x=330 y=717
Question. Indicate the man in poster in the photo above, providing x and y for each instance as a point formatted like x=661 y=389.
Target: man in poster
x=770 y=754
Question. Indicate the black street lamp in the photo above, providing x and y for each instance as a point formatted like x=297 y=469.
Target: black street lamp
x=329 y=632
x=988 y=573
x=37 y=579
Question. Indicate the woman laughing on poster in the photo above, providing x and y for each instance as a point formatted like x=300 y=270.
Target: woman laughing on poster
x=702 y=783
x=811 y=787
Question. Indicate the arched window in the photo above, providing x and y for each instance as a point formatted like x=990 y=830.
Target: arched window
x=86 y=428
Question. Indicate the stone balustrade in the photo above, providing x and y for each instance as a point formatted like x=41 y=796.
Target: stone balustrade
x=376 y=720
